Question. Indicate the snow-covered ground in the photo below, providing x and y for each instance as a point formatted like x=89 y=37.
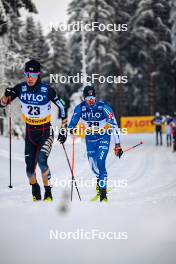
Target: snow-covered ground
x=144 y=209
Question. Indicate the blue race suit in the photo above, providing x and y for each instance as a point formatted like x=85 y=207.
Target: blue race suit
x=96 y=118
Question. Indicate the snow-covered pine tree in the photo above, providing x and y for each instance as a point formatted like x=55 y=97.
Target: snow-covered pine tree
x=59 y=60
x=9 y=26
x=173 y=22
x=99 y=43
x=124 y=11
x=100 y=52
x=42 y=51
x=151 y=53
x=76 y=11
x=30 y=38
x=115 y=58
x=9 y=38
x=14 y=58
x=59 y=54
x=104 y=48
x=3 y=19
x=14 y=33
x=8 y=7
x=173 y=34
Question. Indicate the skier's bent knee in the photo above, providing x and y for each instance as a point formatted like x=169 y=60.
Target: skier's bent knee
x=42 y=162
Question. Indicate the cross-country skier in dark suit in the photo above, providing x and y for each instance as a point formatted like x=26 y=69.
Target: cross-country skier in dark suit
x=35 y=98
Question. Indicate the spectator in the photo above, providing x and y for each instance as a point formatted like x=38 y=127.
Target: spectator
x=173 y=125
x=168 y=121
x=158 y=121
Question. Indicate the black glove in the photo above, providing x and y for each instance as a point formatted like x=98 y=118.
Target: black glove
x=71 y=131
x=118 y=150
x=9 y=92
x=62 y=135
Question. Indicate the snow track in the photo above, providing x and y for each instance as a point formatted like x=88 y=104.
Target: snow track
x=145 y=209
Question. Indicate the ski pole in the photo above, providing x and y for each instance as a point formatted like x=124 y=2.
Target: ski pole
x=73 y=178
x=10 y=144
x=130 y=148
x=73 y=161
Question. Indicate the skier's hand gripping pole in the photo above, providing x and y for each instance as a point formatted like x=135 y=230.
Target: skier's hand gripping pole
x=7 y=97
x=62 y=135
x=118 y=150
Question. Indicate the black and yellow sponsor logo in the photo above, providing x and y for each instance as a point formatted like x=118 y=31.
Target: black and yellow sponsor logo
x=36 y=121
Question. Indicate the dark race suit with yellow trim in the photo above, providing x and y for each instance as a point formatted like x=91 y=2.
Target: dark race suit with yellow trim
x=35 y=105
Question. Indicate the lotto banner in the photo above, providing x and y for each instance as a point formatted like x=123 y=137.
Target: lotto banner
x=138 y=124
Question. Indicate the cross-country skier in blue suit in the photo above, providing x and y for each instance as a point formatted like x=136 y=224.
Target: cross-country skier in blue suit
x=100 y=123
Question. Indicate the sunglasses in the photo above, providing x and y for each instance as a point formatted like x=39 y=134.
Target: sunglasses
x=31 y=74
x=90 y=98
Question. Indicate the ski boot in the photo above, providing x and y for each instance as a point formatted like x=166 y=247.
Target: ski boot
x=103 y=197
x=48 y=195
x=36 y=193
x=96 y=197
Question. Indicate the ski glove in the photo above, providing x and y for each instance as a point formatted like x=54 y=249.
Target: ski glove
x=71 y=131
x=8 y=92
x=118 y=150
x=62 y=135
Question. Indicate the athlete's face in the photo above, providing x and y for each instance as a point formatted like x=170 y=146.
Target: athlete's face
x=31 y=78
x=90 y=100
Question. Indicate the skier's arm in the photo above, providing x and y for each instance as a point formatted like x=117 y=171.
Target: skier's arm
x=53 y=97
x=75 y=118
x=110 y=118
x=9 y=95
